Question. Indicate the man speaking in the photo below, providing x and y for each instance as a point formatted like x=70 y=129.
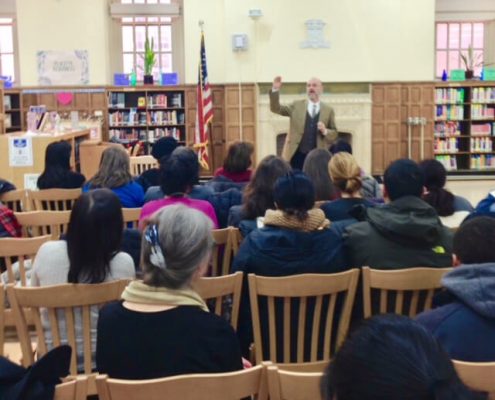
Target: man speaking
x=312 y=122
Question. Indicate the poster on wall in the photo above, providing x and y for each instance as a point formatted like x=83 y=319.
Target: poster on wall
x=63 y=67
x=20 y=152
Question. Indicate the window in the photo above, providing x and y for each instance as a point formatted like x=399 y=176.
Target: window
x=454 y=39
x=134 y=33
x=7 y=55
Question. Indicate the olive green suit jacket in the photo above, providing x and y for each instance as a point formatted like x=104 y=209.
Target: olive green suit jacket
x=297 y=111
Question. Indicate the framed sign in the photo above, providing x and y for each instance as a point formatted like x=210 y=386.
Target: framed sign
x=63 y=67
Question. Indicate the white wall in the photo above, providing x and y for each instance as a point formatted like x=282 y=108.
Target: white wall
x=63 y=25
x=371 y=40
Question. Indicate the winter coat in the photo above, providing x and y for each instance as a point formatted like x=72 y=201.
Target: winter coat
x=465 y=325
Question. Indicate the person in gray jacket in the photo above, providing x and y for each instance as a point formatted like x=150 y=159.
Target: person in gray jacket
x=465 y=321
x=404 y=233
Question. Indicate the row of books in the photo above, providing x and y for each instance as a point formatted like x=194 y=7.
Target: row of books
x=447 y=129
x=487 y=129
x=449 y=95
x=482 y=161
x=166 y=118
x=448 y=145
x=483 y=95
x=482 y=111
x=453 y=112
x=150 y=136
x=135 y=117
x=127 y=134
x=449 y=162
x=155 y=134
x=118 y=100
x=483 y=144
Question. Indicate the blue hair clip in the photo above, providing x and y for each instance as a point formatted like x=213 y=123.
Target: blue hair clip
x=156 y=257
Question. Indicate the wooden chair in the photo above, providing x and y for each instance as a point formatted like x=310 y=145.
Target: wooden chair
x=76 y=389
x=417 y=281
x=53 y=199
x=38 y=223
x=478 y=376
x=320 y=293
x=222 y=252
x=236 y=238
x=16 y=200
x=131 y=217
x=74 y=301
x=139 y=164
x=290 y=385
x=225 y=291
x=222 y=386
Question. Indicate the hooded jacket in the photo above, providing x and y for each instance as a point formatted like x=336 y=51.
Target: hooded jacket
x=465 y=326
x=405 y=233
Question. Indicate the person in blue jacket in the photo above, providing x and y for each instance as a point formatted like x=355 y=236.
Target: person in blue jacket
x=465 y=321
x=114 y=174
x=296 y=239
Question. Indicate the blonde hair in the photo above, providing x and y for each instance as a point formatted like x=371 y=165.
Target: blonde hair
x=345 y=173
x=114 y=170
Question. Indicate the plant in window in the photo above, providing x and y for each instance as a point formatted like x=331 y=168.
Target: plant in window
x=149 y=59
x=472 y=61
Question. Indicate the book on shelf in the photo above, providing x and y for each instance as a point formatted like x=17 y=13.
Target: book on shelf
x=483 y=95
x=449 y=95
x=117 y=100
x=7 y=103
x=141 y=102
x=8 y=121
x=448 y=161
x=482 y=161
x=451 y=112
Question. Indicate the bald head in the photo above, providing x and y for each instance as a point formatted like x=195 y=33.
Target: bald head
x=314 y=89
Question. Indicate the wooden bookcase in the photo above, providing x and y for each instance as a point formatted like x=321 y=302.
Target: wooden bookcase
x=146 y=114
x=465 y=127
x=12 y=100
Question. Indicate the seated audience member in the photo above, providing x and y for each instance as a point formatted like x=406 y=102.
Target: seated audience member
x=316 y=168
x=57 y=173
x=404 y=233
x=167 y=327
x=296 y=239
x=370 y=187
x=258 y=194
x=465 y=322
x=114 y=174
x=90 y=253
x=485 y=207
x=235 y=173
x=451 y=209
x=179 y=173
x=163 y=147
x=9 y=227
x=391 y=357
x=346 y=176
x=6 y=186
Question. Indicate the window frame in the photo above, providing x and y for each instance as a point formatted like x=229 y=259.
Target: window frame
x=15 y=48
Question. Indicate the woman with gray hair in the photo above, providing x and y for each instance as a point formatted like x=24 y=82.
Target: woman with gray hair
x=162 y=327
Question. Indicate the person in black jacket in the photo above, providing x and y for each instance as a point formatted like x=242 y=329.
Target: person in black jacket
x=57 y=173
x=296 y=239
x=465 y=322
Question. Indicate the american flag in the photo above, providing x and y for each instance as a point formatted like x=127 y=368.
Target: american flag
x=204 y=112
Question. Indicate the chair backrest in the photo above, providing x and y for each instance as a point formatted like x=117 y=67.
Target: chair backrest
x=290 y=385
x=222 y=294
x=20 y=250
x=16 y=200
x=222 y=252
x=131 y=217
x=75 y=300
x=53 y=199
x=477 y=376
x=76 y=389
x=139 y=164
x=317 y=295
x=418 y=283
x=222 y=386
x=39 y=223
x=236 y=239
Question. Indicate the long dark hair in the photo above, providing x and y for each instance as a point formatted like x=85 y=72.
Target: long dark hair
x=258 y=194
x=437 y=197
x=393 y=357
x=316 y=168
x=57 y=166
x=94 y=235
x=238 y=157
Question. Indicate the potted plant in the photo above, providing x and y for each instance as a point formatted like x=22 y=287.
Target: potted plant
x=149 y=59
x=471 y=61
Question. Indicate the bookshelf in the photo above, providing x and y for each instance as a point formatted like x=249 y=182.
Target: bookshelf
x=12 y=101
x=145 y=114
x=2 y=116
x=464 y=129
